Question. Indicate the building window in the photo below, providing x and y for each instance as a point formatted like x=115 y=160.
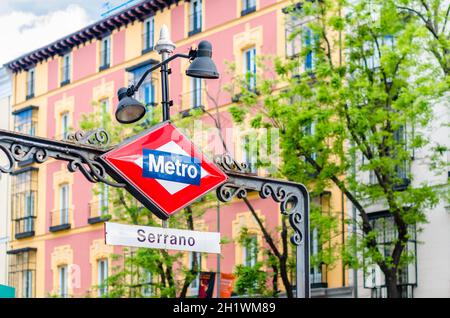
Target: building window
x=386 y=233
x=316 y=271
x=310 y=131
x=372 y=56
x=65 y=69
x=104 y=111
x=250 y=153
x=250 y=251
x=30 y=83
x=24 y=202
x=63 y=281
x=292 y=39
x=196 y=92
x=64 y=125
x=60 y=217
x=148 y=38
x=22 y=271
x=102 y=267
x=147 y=289
x=195 y=17
x=196 y=282
x=250 y=68
x=248 y=6
x=105 y=53
x=103 y=199
x=309 y=42
x=25 y=121
x=401 y=169
x=146 y=93
x=64 y=204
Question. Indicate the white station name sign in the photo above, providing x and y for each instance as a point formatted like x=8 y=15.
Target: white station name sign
x=161 y=238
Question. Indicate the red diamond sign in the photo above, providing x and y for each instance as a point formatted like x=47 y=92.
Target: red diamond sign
x=163 y=169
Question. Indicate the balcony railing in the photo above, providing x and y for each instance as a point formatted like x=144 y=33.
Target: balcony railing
x=60 y=220
x=99 y=211
x=24 y=227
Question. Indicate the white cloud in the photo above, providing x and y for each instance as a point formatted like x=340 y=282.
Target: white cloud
x=22 y=32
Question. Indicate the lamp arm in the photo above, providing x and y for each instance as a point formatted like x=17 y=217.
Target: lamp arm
x=134 y=88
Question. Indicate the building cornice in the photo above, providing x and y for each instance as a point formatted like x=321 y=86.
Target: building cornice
x=96 y=30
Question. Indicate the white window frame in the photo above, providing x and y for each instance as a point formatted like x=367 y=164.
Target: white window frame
x=253 y=254
x=149 y=34
x=250 y=66
x=63 y=281
x=31 y=81
x=65 y=74
x=105 y=59
x=27 y=283
x=65 y=117
x=103 y=199
x=196 y=9
x=64 y=203
x=102 y=276
x=195 y=284
x=248 y=4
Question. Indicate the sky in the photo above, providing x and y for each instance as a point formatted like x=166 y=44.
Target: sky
x=26 y=25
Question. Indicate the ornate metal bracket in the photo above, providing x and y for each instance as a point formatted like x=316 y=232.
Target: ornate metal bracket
x=294 y=202
x=23 y=148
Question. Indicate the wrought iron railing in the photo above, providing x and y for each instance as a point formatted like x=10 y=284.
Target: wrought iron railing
x=99 y=211
x=60 y=220
x=24 y=227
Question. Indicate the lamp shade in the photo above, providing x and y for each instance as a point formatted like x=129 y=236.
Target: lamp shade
x=203 y=66
x=129 y=109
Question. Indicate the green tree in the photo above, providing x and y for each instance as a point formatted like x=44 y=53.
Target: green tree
x=357 y=99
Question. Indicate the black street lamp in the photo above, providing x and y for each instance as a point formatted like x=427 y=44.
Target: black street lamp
x=129 y=110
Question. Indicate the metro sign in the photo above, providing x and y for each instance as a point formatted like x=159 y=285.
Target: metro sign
x=163 y=169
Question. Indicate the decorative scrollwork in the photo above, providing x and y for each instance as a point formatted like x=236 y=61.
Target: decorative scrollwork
x=278 y=193
x=24 y=153
x=289 y=205
x=228 y=191
x=98 y=137
x=288 y=196
x=229 y=164
x=21 y=148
